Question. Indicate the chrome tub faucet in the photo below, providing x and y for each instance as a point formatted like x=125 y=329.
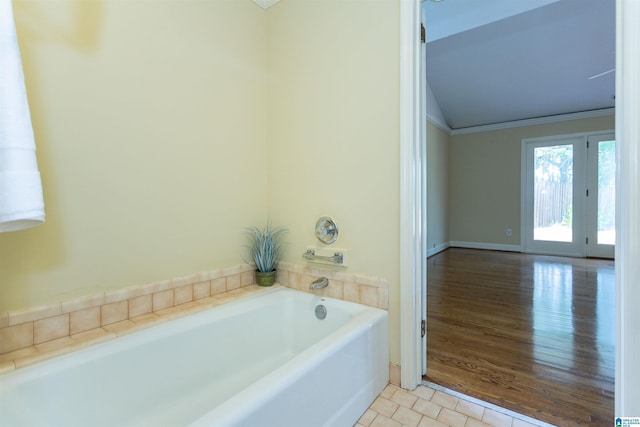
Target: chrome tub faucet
x=320 y=283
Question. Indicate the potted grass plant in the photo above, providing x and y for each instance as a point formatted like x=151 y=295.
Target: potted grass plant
x=266 y=247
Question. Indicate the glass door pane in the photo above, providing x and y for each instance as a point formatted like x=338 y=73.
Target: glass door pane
x=553 y=193
x=601 y=196
x=606 y=193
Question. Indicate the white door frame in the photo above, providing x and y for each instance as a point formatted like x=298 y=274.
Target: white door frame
x=412 y=217
x=627 y=251
x=627 y=396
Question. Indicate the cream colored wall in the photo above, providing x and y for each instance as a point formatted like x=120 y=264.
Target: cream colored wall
x=437 y=186
x=153 y=123
x=484 y=179
x=150 y=122
x=334 y=131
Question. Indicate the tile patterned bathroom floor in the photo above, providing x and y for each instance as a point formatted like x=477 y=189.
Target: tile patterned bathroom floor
x=431 y=405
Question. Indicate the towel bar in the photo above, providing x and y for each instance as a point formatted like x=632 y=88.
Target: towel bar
x=337 y=257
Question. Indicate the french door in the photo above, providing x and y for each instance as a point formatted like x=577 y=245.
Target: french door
x=601 y=201
x=568 y=195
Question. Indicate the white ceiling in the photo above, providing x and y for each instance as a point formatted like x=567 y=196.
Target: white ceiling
x=495 y=61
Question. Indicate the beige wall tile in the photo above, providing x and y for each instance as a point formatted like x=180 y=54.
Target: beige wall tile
x=369 y=296
x=84 y=320
x=147 y=320
x=202 y=276
x=178 y=282
x=247 y=267
x=366 y=280
x=57 y=346
x=344 y=276
x=294 y=280
x=214 y=274
x=201 y=290
x=210 y=302
x=252 y=289
x=162 y=300
x=91 y=336
x=30 y=360
x=140 y=305
x=7 y=366
x=51 y=328
x=233 y=282
x=183 y=294
x=282 y=277
x=231 y=271
x=351 y=292
x=16 y=337
x=123 y=294
x=121 y=328
x=383 y=298
x=35 y=313
x=170 y=313
x=306 y=280
x=224 y=297
x=190 y=307
x=159 y=286
x=114 y=312
x=83 y=303
x=4 y=320
x=23 y=352
x=248 y=278
x=218 y=285
x=237 y=293
x=335 y=289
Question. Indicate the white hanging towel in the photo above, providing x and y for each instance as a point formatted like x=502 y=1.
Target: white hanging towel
x=21 y=202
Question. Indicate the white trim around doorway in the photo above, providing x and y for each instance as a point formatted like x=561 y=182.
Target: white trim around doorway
x=412 y=217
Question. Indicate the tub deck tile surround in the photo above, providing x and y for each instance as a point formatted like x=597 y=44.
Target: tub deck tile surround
x=33 y=335
x=50 y=328
x=360 y=288
x=4 y=320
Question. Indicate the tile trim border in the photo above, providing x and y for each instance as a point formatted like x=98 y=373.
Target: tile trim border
x=104 y=308
x=62 y=326
x=360 y=288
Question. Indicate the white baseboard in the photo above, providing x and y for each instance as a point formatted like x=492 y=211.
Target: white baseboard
x=489 y=246
x=437 y=249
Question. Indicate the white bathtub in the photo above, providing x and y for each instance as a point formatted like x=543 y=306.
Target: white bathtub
x=264 y=360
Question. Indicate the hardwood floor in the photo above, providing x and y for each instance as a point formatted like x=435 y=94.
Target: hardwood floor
x=531 y=333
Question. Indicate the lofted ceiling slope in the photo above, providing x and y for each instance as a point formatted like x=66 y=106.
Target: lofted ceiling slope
x=535 y=62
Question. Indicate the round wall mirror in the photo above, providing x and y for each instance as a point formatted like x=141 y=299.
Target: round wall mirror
x=326 y=230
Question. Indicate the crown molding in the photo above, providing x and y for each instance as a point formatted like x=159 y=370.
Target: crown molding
x=536 y=121
x=439 y=124
x=265 y=4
